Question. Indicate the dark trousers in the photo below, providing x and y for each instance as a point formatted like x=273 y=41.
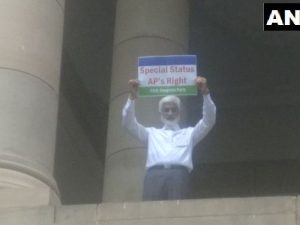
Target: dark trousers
x=166 y=183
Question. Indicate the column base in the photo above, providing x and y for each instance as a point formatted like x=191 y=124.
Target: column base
x=21 y=190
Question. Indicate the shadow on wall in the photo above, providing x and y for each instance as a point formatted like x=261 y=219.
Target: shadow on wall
x=84 y=93
x=254 y=147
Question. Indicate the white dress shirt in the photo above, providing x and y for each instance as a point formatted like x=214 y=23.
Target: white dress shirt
x=168 y=146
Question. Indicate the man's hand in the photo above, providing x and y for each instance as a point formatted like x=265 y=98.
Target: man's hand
x=201 y=83
x=133 y=88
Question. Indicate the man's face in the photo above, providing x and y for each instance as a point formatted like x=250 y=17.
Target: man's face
x=170 y=111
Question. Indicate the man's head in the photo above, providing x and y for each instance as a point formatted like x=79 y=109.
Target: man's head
x=169 y=108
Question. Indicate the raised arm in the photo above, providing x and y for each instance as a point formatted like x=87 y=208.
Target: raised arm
x=128 y=115
x=209 y=112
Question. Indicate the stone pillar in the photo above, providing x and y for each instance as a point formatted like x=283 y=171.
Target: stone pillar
x=143 y=27
x=30 y=57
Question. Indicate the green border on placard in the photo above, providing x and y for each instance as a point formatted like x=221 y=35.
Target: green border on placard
x=167 y=90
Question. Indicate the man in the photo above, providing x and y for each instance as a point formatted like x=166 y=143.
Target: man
x=169 y=155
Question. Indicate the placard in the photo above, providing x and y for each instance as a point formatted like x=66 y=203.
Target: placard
x=167 y=75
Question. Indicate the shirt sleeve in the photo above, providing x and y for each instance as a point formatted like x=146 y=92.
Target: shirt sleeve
x=207 y=122
x=129 y=121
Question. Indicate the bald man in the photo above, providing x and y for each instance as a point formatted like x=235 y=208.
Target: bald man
x=169 y=149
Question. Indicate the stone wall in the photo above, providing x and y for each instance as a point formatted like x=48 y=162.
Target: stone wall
x=228 y=211
x=78 y=170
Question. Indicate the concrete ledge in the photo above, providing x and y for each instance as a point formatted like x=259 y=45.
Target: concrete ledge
x=228 y=211
x=74 y=214
x=27 y=197
x=197 y=208
x=27 y=216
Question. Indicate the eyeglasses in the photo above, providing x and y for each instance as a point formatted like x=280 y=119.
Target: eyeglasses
x=167 y=109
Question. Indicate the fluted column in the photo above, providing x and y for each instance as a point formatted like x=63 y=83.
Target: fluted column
x=30 y=58
x=143 y=27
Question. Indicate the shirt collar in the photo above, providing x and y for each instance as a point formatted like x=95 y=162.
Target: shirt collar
x=175 y=127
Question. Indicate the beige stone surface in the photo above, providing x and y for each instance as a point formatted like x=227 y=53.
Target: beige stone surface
x=31 y=38
x=228 y=211
x=16 y=180
x=75 y=214
x=124 y=175
x=62 y=3
x=28 y=124
x=18 y=189
x=27 y=197
x=298 y=209
x=286 y=219
x=197 y=208
x=166 y=19
x=29 y=216
x=78 y=223
x=31 y=47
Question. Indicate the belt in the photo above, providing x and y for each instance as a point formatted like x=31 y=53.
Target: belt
x=168 y=167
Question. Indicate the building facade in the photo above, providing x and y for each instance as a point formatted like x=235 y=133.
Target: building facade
x=64 y=73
